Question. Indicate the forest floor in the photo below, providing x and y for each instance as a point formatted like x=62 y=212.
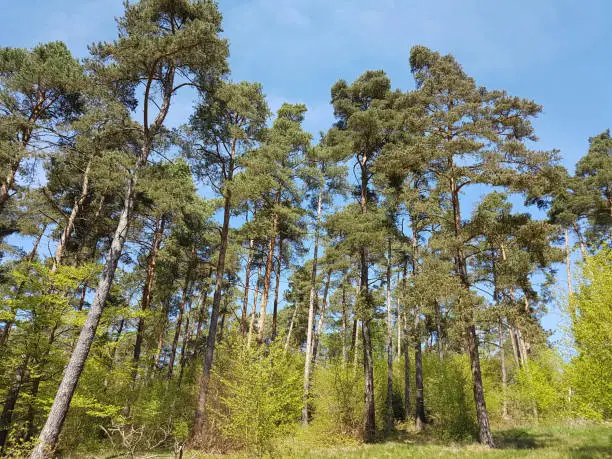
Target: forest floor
x=546 y=442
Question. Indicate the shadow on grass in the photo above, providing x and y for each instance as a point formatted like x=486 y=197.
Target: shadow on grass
x=520 y=439
x=589 y=452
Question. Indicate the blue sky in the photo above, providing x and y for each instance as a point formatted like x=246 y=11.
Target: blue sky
x=556 y=52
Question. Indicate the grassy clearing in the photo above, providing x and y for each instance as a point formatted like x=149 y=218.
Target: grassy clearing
x=542 y=442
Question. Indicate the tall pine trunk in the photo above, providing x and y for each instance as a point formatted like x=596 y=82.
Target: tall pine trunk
x=179 y=321
x=482 y=415
x=145 y=302
x=311 y=311
x=214 y=318
x=389 y=400
x=277 y=286
x=247 y=280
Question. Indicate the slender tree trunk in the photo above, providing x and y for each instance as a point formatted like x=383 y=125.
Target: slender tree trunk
x=254 y=308
x=158 y=235
x=277 y=286
x=419 y=414
x=179 y=322
x=311 y=311
x=515 y=348
x=247 y=279
x=356 y=347
x=263 y=306
x=407 y=408
x=11 y=399
x=183 y=357
x=472 y=338
x=502 y=357
x=55 y=420
x=368 y=360
x=389 y=400
x=61 y=403
x=568 y=265
x=214 y=317
x=76 y=208
x=439 y=346
x=202 y=314
x=583 y=250
x=321 y=321
x=161 y=335
x=8 y=324
x=398 y=321
x=291 y=325
x=344 y=327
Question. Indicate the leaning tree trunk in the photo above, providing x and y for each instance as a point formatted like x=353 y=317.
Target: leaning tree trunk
x=311 y=312
x=50 y=433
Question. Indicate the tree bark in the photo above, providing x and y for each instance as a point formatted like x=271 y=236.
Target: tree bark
x=502 y=357
x=158 y=235
x=266 y=283
x=76 y=208
x=277 y=286
x=11 y=399
x=214 y=318
x=389 y=400
x=179 y=322
x=368 y=360
x=419 y=413
x=254 y=308
x=471 y=337
x=247 y=279
x=55 y=420
x=344 y=326
x=568 y=265
x=320 y=322
x=311 y=311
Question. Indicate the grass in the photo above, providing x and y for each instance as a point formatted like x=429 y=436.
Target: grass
x=586 y=441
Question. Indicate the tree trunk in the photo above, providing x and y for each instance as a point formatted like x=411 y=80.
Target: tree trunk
x=76 y=208
x=183 y=357
x=266 y=283
x=277 y=286
x=161 y=335
x=179 y=323
x=472 y=339
x=254 y=308
x=291 y=324
x=50 y=433
x=368 y=360
x=515 y=348
x=419 y=413
x=389 y=400
x=8 y=324
x=344 y=327
x=214 y=318
x=568 y=265
x=311 y=311
x=55 y=420
x=247 y=279
x=320 y=322
x=11 y=399
x=502 y=357
x=158 y=235
x=407 y=408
